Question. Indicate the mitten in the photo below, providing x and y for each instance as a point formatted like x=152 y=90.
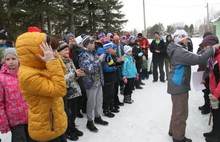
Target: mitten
x=137 y=76
x=125 y=80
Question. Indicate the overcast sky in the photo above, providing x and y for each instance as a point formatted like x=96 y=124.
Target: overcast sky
x=167 y=12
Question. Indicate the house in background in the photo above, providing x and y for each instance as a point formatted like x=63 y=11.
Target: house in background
x=216 y=22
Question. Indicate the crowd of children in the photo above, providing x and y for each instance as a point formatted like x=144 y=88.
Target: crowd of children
x=46 y=83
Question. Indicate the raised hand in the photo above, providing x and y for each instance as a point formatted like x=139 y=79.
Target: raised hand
x=48 y=52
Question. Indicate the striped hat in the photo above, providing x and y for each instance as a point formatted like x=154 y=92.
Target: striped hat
x=107 y=45
x=62 y=46
x=86 y=40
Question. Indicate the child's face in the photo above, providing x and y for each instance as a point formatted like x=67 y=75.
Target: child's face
x=11 y=61
x=64 y=53
x=129 y=53
x=91 y=45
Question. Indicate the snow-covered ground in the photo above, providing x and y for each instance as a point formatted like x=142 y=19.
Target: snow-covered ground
x=147 y=119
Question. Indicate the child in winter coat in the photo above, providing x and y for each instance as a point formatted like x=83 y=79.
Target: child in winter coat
x=73 y=91
x=213 y=67
x=90 y=63
x=13 y=107
x=129 y=72
x=42 y=83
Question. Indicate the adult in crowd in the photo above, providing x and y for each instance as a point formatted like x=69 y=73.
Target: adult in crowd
x=179 y=82
x=166 y=57
x=158 y=48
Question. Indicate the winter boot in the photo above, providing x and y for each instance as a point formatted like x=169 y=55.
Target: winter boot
x=108 y=113
x=127 y=99
x=99 y=120
x=213 y=139
x=184 y=140
x=71 y=136
x=139 y=87
x=209 y=134
x=90 y=125
x=79 y=114
x=114 y=108
x=77 y=132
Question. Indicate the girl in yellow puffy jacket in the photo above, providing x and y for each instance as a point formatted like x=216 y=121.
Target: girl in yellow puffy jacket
x=42 y=82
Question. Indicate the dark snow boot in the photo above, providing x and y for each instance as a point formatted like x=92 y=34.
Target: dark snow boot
x=184 y=140
x=90 y=125
x=213 y=139
x=209 y=134
x=77 y=132
x=108 y=113
x=71 y=136
x=99 y=120
x=127 y=99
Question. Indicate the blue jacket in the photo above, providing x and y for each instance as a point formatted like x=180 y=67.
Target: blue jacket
x=91 y=65
x=129 y=68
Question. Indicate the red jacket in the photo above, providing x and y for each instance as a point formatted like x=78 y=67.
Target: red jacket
x=13 y=107
x=214 y=74
x=144 y=44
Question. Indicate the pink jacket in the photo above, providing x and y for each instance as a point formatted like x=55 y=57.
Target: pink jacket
x=13 y=107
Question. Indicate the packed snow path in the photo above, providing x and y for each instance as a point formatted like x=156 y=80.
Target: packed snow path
x=147 y=119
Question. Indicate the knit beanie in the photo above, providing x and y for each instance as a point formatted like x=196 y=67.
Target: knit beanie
x=62 y=46
x=101 y=35
x=123 y=38
x=210 y=40
x=108 y=44
x=180 y=35
x=67 y=37
x=86 y=40
x=140 y=35
x=127 y=49
x=131 y=37
x=109 y=35
x=10 y=51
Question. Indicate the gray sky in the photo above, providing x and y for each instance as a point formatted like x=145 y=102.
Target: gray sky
x=167 y=12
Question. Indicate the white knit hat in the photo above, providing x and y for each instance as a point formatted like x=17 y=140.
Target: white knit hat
x=127 y=49
x=180 y=35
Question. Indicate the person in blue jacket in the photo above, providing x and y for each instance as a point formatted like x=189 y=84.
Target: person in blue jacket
x=129 y=72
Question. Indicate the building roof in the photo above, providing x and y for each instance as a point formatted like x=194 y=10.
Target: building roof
x=215 y=20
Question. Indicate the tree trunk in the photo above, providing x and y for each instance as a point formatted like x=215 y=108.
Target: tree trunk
x=71 y=16
x=48 y=25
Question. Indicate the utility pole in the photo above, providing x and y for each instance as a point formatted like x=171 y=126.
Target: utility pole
x=145 y=31
x=208 y=25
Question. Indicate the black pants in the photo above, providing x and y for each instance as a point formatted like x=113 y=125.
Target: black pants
x=206 y=98
x=82 y=100
x=216 y=120
x=129 y=86
x=158 y=62
x=108 y=93
x=71 y=111
x=20 y=133
x=144 y=74
x=115 y=97
x=137 y=82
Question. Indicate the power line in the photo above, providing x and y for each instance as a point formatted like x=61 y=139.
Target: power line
x=180 y=6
